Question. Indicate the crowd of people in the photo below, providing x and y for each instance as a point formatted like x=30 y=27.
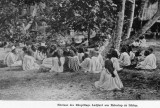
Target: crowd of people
x=70 y=59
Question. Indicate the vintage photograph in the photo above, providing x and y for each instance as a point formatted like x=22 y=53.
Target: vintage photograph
x=70 y=50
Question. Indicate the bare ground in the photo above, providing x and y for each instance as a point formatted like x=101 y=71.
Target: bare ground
x=19 y=85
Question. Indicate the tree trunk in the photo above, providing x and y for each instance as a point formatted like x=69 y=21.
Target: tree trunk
x=147 y=26
x=131 y=20
x=120 y=24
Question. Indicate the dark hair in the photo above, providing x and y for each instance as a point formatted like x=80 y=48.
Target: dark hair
x=29 y=52
x=86 y=55
x=123 y=49
x=80 y=50
x=33 y=48
x=24 y=49
x=141 y=37
x=108 y=55
x=129 y=48
x=137 y=40
x=150 y=50
x=114 y=53
x=146 y=53
x=71 y=53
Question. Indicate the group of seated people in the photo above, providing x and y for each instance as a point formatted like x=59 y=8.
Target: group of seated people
x=70 y=59
x=141 y=42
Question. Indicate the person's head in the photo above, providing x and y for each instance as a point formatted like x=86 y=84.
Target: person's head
x=33 y=48
x=71 y=53
x=150 y=50
x=137 y=40
x=60 y=53
x=29 y=52
x=130 y=48
x=24 y=49
x=14 y=50
x=123 y=49
x=108 y=55
x=141 y=37
x=86 y=55
x=114 y=54
x=146 y=53
x=80 y=50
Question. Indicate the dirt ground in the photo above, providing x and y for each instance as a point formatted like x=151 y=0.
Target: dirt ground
x=19 y=85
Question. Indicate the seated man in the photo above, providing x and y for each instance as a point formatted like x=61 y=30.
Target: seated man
x=149 y=62
x=12 y=58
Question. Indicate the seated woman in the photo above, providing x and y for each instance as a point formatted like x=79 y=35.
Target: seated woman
x=29 y=62
x=12 y=58
x=149 y=62
x=142 y=41
x=23 y=52
x=58 y=62
x=114 y=59
x=124 y=58
x=73 y=62
x=40 y=54
x=85 y=65
x=47 y=62
x=96 y=66
x=109 y=79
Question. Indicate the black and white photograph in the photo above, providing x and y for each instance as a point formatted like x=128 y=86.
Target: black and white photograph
x=79 y=50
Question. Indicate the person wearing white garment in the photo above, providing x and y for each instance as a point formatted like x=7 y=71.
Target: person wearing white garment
x=29 y=62
x=149 y=61
x=124 y=58
x=85 y=65
x=142 y=41
x=96 y=66
x=12 y=58
x=58 y=62
x=109 y=78
x=114 y=59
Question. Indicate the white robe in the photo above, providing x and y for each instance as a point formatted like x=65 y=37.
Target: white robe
x=132 y=55
x=143 y=43
x=125 y=59
x=116 y=64
x=55 y=65
x=12 y=60
x=148 y=63
x=100 y=58
x=96 y=66
x=29 y=63
x=47 y=62
x=86 y=65
x=107 y=82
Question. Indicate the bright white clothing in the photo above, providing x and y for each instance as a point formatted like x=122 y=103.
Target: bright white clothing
x=116 y=64
x=132 y=55
x=74 y=63
x=86 y=65
x=12 y=60
x=96 y=66
x=47 y=62
x=107 y=82
x=136 y=44
x=143 y=43
x=125 y=59
x=55 y=64
x=148 y=63
x=101 y=49
x=29 y=63
x=100 y=58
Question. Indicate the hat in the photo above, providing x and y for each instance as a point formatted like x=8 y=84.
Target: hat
x=13 y=47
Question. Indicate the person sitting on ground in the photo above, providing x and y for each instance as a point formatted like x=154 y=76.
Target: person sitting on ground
x=85 y=65
x=96 y=66
x=29 y=62
x=114 y=59
x=124 y=58
x=149 y=62
x=12 y=58
x=47 y=62
x=136 y=43
x=40 y=54
x=73 y=62
x=142 y=41
x=58 y=62
x=22 y=54
x=109 y=78
x=131 y=53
